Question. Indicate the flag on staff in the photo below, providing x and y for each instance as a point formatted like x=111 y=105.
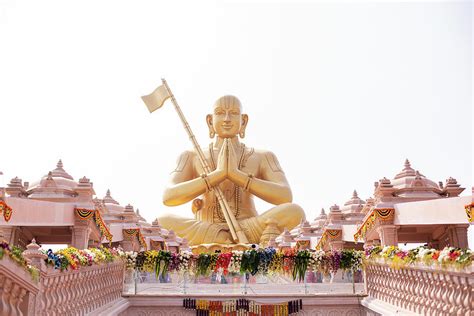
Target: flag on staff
x=155 y=100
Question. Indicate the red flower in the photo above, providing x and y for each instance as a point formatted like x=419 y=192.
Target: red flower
x=435 y=255
x=453 y=255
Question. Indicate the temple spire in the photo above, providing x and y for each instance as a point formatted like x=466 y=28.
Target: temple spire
x=59 y=172
x=407 y=164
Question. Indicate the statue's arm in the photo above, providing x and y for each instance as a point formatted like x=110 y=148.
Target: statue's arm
x=185 y=184
x=270 y=184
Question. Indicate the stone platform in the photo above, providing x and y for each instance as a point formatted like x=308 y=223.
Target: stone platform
x=315 y=304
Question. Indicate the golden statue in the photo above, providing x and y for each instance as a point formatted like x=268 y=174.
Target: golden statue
x=241 y=172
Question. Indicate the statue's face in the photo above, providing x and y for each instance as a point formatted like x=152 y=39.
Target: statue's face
x=227 y=119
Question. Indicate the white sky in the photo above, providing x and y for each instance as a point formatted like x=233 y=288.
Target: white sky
x=341 y=92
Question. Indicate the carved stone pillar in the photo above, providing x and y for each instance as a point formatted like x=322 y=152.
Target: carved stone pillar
x=7 y=233
x=388 y=235
x=80 y=237
x=458 y=236
x=127 y=245
x=336 y=245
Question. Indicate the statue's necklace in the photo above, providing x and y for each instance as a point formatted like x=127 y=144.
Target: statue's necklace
x=216 y=206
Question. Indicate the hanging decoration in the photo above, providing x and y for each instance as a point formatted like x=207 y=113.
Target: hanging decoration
x=383 y=214
x=469 y=212
x=6 y=210
x=302 y=244
x=333 y=233
x=131 y=232
x=328 y=234
x=102 y=227
x=85 y=214
x=241 y=307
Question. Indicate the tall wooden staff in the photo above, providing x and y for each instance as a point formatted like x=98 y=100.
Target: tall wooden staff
x=154 y=101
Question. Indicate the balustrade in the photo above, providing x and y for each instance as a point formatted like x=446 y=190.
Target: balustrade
x=421 y=289
x=16 y=288
x=79 y=291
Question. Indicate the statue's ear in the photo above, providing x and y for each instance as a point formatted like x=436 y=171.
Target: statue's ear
x=245 y=120
x=212 y=132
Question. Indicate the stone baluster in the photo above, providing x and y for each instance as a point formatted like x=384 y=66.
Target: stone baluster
x=423 y=290
x=16 y=284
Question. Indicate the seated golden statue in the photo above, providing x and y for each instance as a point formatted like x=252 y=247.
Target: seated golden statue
x=241 y=172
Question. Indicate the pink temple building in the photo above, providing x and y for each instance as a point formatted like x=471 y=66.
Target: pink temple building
x=410 y=208
x=56 y=209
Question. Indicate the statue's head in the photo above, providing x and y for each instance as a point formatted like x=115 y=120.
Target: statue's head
x=227 y=120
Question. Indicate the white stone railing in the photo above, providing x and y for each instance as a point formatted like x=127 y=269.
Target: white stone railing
x=422 y=290
x=79 y=291
x=17 y=288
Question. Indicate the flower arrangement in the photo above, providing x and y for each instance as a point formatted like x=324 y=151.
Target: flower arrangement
x=186 y=260
x=291 y=262
x=72 y=258
x=276 y=265
x=249 y=263
x=223 y=262
x=301 y=265
x=161 y=260
x=16 y=254
x=235 y=262
x=449 y=257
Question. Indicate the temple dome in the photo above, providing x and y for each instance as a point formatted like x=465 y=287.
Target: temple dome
x=57 y=183
x=112 y=205
x=355 y=200
x=320 y=219
x=411 y=178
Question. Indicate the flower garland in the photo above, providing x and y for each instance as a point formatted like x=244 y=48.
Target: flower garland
x=130 y=232
x=85 y=214
x=328 y=234
x=449 y=257
x=384 y=214
x=73 y=258
x=291 y=262
x=102 y=227
x=6 y=210
x=469 y=212
x=16 y=254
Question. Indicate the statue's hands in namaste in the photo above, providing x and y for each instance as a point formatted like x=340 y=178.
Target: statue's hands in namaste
x=221 y=172
x=227 y=165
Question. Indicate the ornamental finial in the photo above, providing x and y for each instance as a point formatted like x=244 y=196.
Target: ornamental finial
x=407 y=164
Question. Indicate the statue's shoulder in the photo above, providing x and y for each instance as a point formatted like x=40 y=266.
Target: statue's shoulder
x=184 y=158
x=188 y=153
x=268 y=158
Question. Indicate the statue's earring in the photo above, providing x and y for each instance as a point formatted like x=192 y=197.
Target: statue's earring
x=242 y=133
x=212 y=133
